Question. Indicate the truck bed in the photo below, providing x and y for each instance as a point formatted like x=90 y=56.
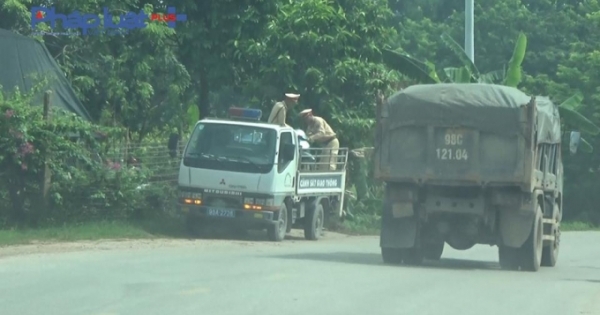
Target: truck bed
x=457 y=134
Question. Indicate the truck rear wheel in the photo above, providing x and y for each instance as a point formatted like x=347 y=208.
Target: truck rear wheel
x=391 y=256
x=313 y=224
x=531 y=252
x=433 y=250
x=508 y=257
x=413 y=256
x=277 y=231
x=550 y=253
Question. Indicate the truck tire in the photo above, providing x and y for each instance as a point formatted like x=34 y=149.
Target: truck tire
x=333 y=219
x=413 y=256
x=433 y=250
x=313 y=223
x=288 y=229
x=550 y=253
x=277 y=231
x=391 y=256
x=508 y=258
x=531 y=252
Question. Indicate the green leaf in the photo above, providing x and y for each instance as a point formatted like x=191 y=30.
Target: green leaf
x=576 y=120
x=573 y=102
x=513 y=73
x=460 y=53
x=409 y=66
x=493 y=77
x=458 y=75
x=193 y=115
x=586 y=146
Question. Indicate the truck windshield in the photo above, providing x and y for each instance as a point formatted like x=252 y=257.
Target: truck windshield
x=232 y=148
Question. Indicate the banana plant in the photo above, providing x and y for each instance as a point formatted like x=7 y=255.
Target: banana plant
x=192 y=115
x=514 y=71
x=425 y=72
x=468 y=73
x=569 y=112
x=569 y=109
x=422 y=72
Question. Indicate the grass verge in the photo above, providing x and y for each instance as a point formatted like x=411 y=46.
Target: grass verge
x=363 y=224
x=155 y=228
x=578 y=226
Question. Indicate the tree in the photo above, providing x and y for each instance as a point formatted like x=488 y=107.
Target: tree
x=140 y=83
x=209 y=38
x=327 y=51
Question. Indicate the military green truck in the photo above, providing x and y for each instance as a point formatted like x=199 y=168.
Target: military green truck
x=467 y=164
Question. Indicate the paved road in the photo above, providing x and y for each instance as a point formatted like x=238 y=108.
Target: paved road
x=339 y=275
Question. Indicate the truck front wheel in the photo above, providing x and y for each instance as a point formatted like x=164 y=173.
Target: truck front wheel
x=550 y=254
x=277 y=231
x=313 y=224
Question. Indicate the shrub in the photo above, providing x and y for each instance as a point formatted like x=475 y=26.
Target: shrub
x=83 y=186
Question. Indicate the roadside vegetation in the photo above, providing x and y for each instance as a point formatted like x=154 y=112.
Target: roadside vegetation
x=115 y=176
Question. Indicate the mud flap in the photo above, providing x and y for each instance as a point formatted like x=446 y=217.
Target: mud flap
x=397 y=232
x=516 y=224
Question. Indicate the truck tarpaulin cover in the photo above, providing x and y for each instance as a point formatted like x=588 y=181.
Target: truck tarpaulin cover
x=25 y=62
x=485 y=107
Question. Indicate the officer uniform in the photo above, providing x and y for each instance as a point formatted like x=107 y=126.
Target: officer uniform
x=279 y=111
x=319 y=131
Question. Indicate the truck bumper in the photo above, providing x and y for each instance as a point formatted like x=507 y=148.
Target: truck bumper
x=237 y=216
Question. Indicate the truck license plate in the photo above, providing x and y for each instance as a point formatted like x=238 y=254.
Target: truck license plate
x=452 y=145
x=213 y=212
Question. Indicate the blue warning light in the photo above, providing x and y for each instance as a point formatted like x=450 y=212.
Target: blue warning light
x=245 y=113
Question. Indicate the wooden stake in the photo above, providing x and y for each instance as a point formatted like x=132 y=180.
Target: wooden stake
x=47 y=175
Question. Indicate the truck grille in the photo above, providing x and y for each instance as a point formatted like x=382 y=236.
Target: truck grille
x=223 y=201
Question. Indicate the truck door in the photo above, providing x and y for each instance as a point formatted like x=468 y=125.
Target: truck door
x=286 y=167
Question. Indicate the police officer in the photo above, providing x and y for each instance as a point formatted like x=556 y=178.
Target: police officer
x=279 y=111
x=319 y=132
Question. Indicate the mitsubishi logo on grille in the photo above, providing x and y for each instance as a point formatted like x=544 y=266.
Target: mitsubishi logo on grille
x=222 y=182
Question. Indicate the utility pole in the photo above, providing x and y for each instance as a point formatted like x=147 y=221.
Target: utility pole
x=469 y=29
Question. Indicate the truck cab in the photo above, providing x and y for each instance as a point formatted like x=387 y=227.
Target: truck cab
x=251 y=174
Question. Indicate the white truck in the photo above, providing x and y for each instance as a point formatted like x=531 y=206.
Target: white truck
x=253 y=175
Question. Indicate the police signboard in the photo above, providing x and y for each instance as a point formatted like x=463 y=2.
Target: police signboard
x=320 y=183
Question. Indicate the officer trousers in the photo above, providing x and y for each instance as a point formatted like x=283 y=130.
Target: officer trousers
x=330 y=155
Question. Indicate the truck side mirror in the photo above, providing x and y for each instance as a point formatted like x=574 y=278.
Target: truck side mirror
x=288 y=151
x=574 y=141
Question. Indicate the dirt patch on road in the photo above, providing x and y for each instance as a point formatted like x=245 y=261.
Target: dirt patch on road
x=253 y=239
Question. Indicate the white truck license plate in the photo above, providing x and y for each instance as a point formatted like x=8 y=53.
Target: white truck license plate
x=221 y=213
